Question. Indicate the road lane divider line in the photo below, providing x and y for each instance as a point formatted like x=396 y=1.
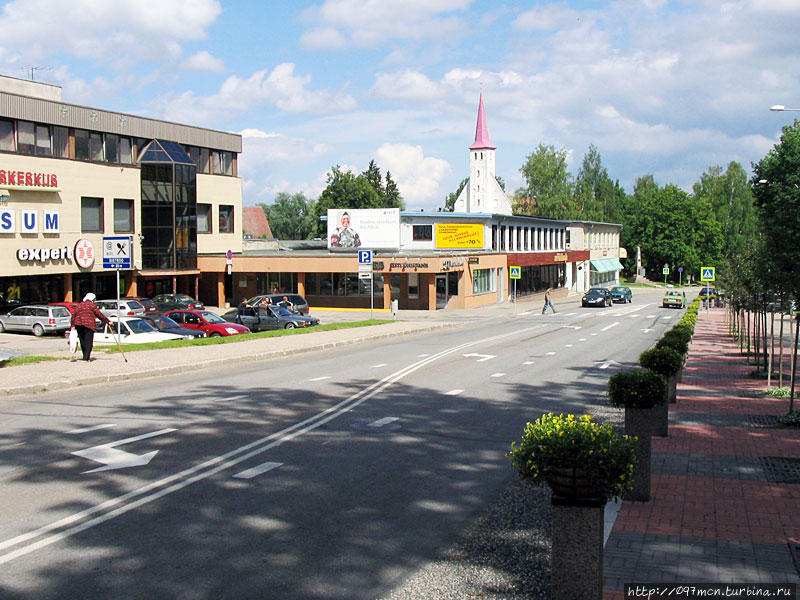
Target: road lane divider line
x=607 y=327
x=89 y=429
x=258 y=470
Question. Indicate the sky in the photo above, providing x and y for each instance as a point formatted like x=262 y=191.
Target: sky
x=662 y=88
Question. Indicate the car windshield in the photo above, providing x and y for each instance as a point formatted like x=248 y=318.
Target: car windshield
x=182 y=298
x=60 y=311
x=212 y=318
x=139 y=326
x=279 y=310
x=597 y=291
x=621 y=290
x=165 y=323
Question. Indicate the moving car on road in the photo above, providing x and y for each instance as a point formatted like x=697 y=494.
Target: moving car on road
x=209 y=323
x=621 y=293
x=269 y=317
x=37 y=319
x=132 y=330
x=674 y=299
x=596 y=296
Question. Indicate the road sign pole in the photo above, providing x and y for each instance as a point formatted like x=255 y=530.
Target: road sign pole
x=371 y=291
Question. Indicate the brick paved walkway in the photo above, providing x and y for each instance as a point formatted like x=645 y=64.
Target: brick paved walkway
x=725 y=492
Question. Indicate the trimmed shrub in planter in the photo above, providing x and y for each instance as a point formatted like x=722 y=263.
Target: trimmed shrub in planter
x=556 y=445
x=641 y=393
x=674 y=341
x=666 y=362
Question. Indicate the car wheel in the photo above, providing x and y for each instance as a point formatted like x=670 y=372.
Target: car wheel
x=215 y=334
x=289 y=326
x=38 y=330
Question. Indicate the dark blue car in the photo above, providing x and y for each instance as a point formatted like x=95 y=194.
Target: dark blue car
x=597 y=296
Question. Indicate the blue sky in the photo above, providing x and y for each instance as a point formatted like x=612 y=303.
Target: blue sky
x=662 y=88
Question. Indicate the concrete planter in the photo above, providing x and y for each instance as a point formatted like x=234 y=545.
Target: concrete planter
x=576 y=562
x=640 y=422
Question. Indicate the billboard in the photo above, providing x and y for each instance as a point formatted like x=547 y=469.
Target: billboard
x=459 y=235
x=349 y=229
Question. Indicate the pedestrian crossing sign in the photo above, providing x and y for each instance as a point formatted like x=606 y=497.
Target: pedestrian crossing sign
x=515 y=272
x=707 y=273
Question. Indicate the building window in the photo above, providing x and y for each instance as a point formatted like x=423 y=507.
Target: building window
x=7 y=135
x=203 y=218
x=96 y=146
x=483 y=281
x=81 y=144
x=203 y=165
x=225 y=218
x=92 y=215
x=112 y=147
x=223 y=163
x=26 y=137
x=44 y=145
x=413 y=285
x=123 y=215
x=125 y=154
x=422 y=233
x=61 y=142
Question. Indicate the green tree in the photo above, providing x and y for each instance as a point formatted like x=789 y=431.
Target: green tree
x=344 y=190
x=731 y=198
x=373 y=176
x=548 y=183
x=289 y=217
x=594 y=191
x=450 y=201
x=391 y=194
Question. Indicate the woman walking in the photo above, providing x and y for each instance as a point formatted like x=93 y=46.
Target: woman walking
x=83 y=321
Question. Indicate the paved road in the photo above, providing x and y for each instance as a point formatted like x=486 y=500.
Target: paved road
x=325 y=475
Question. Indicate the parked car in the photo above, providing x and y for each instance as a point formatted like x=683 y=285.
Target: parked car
x=596 y=296
x=269 y=317
x=165 y=302
x=708 y=292
x=167 y=325
x=125 y=308
x=70 y=306
x=621 y=293
x=132 y=330
x=148 y=304
x=298 y=303
x=674 y=299
x=7 y=305
x=37 y=319
x=206 y=321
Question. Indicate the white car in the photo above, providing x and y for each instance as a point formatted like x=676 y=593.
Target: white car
x=133 y=331
x=127 y=308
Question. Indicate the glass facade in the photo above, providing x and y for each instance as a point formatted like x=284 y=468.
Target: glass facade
x=169 y=208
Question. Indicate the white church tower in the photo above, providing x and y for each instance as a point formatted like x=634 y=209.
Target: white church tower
x=482 y=194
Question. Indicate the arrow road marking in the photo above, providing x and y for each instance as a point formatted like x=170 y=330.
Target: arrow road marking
x=383 y=421
x=455 y=392
x=608 y=363
x=647 y=330
x=320 y=378
x=119 y=459
x=482 y=357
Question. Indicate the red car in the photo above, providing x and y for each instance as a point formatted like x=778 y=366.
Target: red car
x=69 y=305
x=203 y=320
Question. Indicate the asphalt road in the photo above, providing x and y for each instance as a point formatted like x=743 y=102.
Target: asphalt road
x=331 y=475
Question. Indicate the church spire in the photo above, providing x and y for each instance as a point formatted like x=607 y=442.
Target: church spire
x=481 y=131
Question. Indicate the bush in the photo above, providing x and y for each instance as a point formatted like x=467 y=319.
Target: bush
x=665 y=361
x=676 y=343
x=556 y=442
x=637 y=389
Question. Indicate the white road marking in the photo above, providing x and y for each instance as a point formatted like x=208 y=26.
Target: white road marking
x=481 y=357
x=378 y=365
x=647 y=330
x=119 y=459
x=582 y=340
x=497 y=374
x=607 y=327
x=522 y=314
x=551 y=354
x=257 y=470
x=569 y=315
x=594 y=334
x=651 y=316
x=88 y=429
x=383 y=421
x=229 y=398
x=568 y=346
x=608 y=363
x=422 y=355
x=455 y=392
x=320 y=378
x=528 y=362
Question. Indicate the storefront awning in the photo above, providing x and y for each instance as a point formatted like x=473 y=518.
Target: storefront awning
x=606 y=265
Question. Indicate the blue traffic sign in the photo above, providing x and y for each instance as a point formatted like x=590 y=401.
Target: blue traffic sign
x=365 y=257
x=707 y=274
x=117 y=252
x=515 y=272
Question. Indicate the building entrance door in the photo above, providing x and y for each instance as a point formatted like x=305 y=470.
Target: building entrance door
x=441 y=291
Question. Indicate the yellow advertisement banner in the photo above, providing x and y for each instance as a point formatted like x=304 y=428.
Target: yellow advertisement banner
x=459 y=235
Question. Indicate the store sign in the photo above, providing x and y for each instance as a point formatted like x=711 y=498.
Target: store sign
x=562 y=257
x=84 y=253
x=356 y=229
x=408 y=265
x=42 y=255
x=459 y=235
x=448 y=264
x=28 y=180
x=30 y=221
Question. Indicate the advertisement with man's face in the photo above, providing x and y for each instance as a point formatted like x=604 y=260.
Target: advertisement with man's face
x=350 y=229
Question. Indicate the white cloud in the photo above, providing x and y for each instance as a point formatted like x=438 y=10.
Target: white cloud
x=406 y=86
x=545 y=18
x=419 y=178
x=322 y=39
x=204 y=61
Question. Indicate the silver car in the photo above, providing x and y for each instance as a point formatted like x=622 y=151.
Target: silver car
x=127 y=308
x=37 y=319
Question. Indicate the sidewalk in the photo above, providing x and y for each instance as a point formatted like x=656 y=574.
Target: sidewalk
x=725 y=496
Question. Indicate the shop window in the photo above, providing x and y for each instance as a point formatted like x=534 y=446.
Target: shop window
x=311 y=284
x=61 y=142
x=203 y=218
x=81 y=144
x=394 y=284
x=123 y=215
x=26 y=137
x=325 y=284
x=483 y=281
x=413 y=285
x=7 y=135
x=422 y=233
x=225 y=218
x=92 y=215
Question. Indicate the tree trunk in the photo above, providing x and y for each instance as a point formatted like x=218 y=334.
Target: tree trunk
x=780 y=352
x=772 y=348
x=794 y=361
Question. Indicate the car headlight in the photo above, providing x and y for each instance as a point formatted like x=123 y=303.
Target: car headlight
x=231 y=330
